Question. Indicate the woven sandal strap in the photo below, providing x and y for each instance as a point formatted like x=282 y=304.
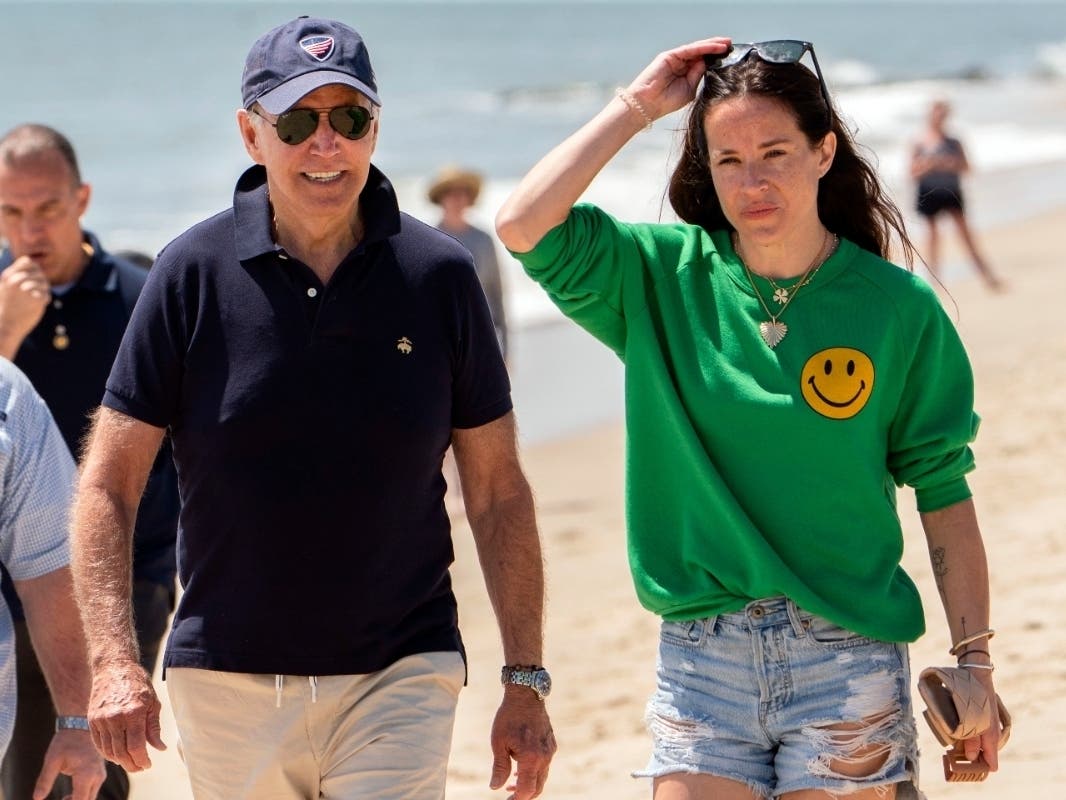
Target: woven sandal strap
x=941 y=686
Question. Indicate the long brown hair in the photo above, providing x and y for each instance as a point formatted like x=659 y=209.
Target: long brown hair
x=851 y=199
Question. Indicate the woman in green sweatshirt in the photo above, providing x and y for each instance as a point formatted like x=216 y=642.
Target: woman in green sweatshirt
x=782 y=378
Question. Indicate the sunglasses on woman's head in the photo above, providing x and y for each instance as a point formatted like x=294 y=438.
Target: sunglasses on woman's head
x=779 y=51
x=297 y=124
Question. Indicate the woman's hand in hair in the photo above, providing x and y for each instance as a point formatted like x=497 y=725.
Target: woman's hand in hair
x=669 y=82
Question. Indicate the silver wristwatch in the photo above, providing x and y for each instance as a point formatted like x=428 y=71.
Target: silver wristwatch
x=536 y=678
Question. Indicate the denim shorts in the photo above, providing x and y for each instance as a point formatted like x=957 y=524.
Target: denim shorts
x=751 y=696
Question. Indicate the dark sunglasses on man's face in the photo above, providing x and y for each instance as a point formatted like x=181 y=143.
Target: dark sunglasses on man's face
x=297 y=124
x=779 y=51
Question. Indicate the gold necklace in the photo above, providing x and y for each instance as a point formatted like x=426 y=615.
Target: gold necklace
x=782 y=293
x=773 y=331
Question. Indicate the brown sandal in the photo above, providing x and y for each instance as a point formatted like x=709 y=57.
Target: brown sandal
x=959 y=709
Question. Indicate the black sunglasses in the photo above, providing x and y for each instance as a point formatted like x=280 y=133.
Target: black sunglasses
x=779 y=51
x=297 y=124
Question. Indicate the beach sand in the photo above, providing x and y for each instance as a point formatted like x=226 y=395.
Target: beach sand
x=601 y=644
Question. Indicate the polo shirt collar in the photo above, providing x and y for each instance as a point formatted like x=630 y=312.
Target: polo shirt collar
x=251 y=211
x=98 y=275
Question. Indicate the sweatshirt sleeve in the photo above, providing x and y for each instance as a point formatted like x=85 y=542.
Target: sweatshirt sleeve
x=929 y=442
x=591 y=268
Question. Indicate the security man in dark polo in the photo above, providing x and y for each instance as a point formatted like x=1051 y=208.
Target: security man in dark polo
x=64 y=305
x=313 y=352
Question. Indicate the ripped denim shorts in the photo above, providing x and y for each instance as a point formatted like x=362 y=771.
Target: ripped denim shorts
x=754 y=697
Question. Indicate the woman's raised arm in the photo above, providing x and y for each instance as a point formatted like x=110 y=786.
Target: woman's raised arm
x=546 y=194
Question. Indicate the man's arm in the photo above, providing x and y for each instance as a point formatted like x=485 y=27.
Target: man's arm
x=499 y=506
x=38 y=477
x=55 y=628
x=123 y=707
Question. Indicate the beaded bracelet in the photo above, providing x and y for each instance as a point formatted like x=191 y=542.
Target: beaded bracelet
x=627 y=97
x=973 y=637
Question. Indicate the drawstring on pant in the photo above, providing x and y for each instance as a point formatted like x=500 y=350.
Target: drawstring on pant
x=279 y=684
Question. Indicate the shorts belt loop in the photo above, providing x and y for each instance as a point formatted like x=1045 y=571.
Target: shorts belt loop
x=794 y=617
x=710 y=626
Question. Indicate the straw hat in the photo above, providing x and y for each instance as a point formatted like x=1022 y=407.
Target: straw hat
x=454 y=178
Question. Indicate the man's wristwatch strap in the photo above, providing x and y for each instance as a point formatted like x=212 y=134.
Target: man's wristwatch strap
x=72 y=723
x=535 y=677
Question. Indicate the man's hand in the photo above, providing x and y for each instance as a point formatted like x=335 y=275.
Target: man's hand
x=124 y=715
x=24 y=295
x=71 y=753
x=522 y=732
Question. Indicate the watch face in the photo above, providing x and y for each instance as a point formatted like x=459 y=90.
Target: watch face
x=542 y=683
x=537 y=679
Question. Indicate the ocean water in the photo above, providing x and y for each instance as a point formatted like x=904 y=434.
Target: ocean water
x=147 y=92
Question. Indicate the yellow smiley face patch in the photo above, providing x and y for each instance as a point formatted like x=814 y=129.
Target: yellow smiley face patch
x=837 y=382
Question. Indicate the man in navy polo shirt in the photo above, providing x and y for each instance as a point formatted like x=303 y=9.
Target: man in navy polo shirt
x=64 y=304
x=314 y=352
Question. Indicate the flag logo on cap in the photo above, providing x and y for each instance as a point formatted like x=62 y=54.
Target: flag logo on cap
x=318 y=47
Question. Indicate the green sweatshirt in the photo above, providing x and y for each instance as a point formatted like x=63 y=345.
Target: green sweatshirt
x=754 y=472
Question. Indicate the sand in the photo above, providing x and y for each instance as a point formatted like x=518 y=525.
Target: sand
x=600 y=645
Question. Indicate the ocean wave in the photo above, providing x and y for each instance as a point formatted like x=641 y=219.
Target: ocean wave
x=561 y=97
x=1051 y=59
x=577 y=93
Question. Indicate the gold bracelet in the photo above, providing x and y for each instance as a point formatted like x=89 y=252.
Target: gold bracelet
x=627 y=97
x=989 y=667
x=973 y=637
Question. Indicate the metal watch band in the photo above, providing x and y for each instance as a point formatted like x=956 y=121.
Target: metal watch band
x=536 y=678
x=72 y=723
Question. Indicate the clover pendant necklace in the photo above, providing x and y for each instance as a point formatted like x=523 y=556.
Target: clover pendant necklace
x=773 y=330
x=783 y=293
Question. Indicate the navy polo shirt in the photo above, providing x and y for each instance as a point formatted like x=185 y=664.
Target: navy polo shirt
x=68 y=357
x=309 y=424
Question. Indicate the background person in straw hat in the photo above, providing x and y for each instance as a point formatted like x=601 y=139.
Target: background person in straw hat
x=455 y=190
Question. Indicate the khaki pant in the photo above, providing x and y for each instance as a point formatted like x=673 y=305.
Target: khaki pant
x=382 y=736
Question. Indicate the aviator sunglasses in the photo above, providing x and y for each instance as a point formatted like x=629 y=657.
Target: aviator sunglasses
x=779 y=51
x=297 y=124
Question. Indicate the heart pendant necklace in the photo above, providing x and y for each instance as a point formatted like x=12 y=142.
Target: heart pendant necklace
x=774 y=330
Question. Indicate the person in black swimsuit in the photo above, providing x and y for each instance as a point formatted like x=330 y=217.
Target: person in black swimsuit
x=938 y=162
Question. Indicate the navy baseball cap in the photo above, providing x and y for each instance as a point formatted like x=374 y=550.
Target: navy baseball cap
x=300 y=56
